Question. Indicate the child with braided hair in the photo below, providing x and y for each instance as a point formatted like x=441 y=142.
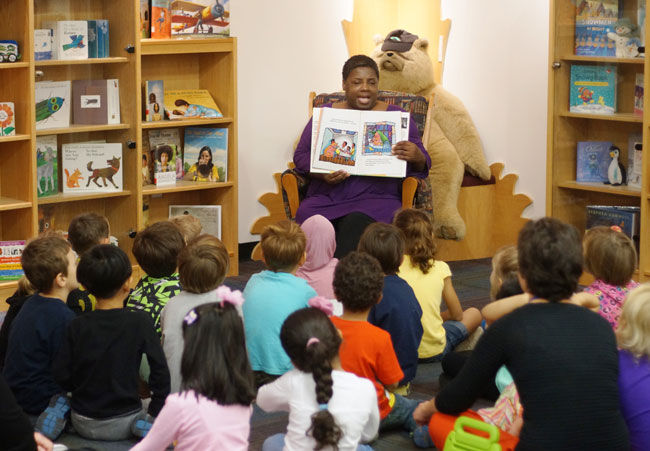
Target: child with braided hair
x=343 y=411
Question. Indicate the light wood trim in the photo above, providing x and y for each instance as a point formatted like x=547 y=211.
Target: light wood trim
x=175 y=46
x=409 y=186
x=602 y=59
x=23 y=137
x=616 y=117
x=82 y=129
x=184 y=185
x=600 y=188
x=186 y=122
x=7 y=203
x=15 y=65
x=111 y=60
x=290 y=185
x=61 y=197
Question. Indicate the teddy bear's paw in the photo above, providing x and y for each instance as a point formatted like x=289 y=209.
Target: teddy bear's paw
x=450 y=228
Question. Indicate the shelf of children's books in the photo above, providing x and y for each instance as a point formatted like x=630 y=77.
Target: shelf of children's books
x=616 y=117
x=603 y=59
x=174 y=46
x=81 y=129
x=22 y=137
x=8 y=203
x=114 y=59
x=621 y=190
x=185 y=122
x=14 y=65
x=183 y=185
x=67 y=197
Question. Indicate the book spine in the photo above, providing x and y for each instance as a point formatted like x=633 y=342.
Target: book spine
x=113 y=101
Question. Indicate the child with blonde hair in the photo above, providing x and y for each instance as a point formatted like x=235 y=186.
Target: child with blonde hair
x=189 y=225
x=431 y=282
x=633 y=337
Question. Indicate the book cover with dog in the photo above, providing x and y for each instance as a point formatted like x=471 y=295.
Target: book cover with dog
x=47 y=168
x=92 y=167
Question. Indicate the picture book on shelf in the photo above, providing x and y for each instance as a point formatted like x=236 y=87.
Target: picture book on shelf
x=593 y=89
x=640 y=20
x=200 y=18
x=98 y=39
x=92 y=167
x=154 y=108
x=206 y=154
x=70 y=39
x=625 y=217
x=161 y=21
x=7 y=119
x=592 y=161
x=10 y=266
x=634 y=160
x=165 y=147
x=52 y=104
x=638 y=94
x=43 y=44
x=145 y=23
x=359 y=142
x=208 y=215
x=147 y=165
x=47 y=167
x=594 y=19
x=46 y=217
x=190 y=103
x=95 y=102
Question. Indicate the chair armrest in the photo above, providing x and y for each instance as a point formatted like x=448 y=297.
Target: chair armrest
x=409 y=186
x=290 y=186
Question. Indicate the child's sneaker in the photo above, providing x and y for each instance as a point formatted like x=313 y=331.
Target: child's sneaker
x=54 y=418
x=142 y=425
x=421 y=437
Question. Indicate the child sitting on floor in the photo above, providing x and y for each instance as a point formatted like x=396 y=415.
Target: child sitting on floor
x=327 y=406
x=271 y=296
x=37 y=332
x=213 y=409
x=156 y=250
x=202 y=266
x=367 y=350
x=431 y=282
x=398 y=312
x=101 y=353
x=318 y=268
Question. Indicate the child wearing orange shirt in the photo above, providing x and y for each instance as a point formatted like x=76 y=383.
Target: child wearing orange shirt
x=367 y=350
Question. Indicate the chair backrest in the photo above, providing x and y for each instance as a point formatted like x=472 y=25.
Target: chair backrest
x=416 y=105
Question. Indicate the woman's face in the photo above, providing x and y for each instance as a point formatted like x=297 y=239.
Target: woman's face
x=204 y=157
x=361 y=88
x=163 y=158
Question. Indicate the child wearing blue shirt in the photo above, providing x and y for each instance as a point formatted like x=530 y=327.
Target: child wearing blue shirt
x=271 y=296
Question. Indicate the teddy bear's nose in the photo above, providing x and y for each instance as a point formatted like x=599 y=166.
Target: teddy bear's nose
x=389 y=54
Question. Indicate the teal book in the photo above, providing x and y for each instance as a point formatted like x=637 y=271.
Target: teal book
x=592 y=161
x=92 y=39
x=592 y=89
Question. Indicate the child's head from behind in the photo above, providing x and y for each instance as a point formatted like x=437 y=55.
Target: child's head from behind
x=419 y=237
x=203 y=264
x=610 y=255
x=49 y=262
x=311 y=341
x=189 y=225
x=550 y=258
x=633 y=332
x=214 y=362
x=87 y=230
x=156 y=249
x=321 y=242
x=385 y=242
x=504 y=266
x=358 y=281
x=283 y=246
x=104 y=270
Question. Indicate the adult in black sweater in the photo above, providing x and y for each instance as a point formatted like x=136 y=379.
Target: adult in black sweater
x=562 y=357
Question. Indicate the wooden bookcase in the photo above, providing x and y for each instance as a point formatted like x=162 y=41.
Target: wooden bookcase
x=188 y=63
x=566 y=199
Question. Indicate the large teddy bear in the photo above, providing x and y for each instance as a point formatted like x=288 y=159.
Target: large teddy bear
x=453 y=142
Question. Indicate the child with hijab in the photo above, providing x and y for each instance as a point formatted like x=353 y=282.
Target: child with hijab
x=318 y=269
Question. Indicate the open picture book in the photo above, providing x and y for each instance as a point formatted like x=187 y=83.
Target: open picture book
x=358 y=142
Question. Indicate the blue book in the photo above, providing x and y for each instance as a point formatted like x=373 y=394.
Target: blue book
x=92 y=39
x=103 y=48
x=594 y=19
x=592 y=161
x=627 y=218
x=206 y=154
x=592 y=89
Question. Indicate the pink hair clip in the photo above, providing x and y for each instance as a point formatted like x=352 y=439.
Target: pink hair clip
x=322 y=304
x=312 y=341
x=191 y=317
x=616 y=228
x=225 y=294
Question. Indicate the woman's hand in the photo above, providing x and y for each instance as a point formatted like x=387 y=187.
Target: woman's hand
x=332 y=178
x=424 y=411
x=406 y=150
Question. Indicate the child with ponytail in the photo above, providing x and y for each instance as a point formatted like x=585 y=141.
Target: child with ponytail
x=328 y=408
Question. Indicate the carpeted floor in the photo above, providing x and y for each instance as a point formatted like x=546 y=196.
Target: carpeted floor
x=470 y=279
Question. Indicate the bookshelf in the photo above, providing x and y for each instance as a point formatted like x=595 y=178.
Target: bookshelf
x=566 y=198
x=182 y=63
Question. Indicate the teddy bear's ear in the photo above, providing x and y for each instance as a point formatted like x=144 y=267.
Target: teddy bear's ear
x=422 y=44
x=377 y=39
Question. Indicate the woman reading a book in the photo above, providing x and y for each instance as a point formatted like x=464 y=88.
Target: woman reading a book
x=353 y=202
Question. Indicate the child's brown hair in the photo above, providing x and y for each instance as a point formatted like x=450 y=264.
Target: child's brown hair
x=43 y=259
x=203 y=264
x=385 y=242
x=419 y=236
x=283 y=245
x=156 y=249
x=505 y=265
x=610 y=255
x=189 y=225
x=87 y=230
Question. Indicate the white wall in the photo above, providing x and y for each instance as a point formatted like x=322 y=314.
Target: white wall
x=496 y=63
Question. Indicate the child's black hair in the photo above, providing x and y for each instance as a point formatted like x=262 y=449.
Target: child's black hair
x=358 y=281
x=311 y=341
x=103 y=269
x=215 y=362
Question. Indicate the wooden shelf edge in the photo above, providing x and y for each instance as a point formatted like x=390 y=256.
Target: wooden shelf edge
x=185 y=122
x=600 y=188
x=617 y=117
x=111 y=60
x=16 y=65
x=182 y=45
x=602 y=59
x=61 y=197
x=11 y=138
x=181 y=186
x=8 y=204
x=81 y=129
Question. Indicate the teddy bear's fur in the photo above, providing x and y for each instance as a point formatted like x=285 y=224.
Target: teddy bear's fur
x=453 y=142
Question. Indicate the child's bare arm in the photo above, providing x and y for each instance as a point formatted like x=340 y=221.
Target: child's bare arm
x=495 y=310
x=454 y=309
x=587 y=300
